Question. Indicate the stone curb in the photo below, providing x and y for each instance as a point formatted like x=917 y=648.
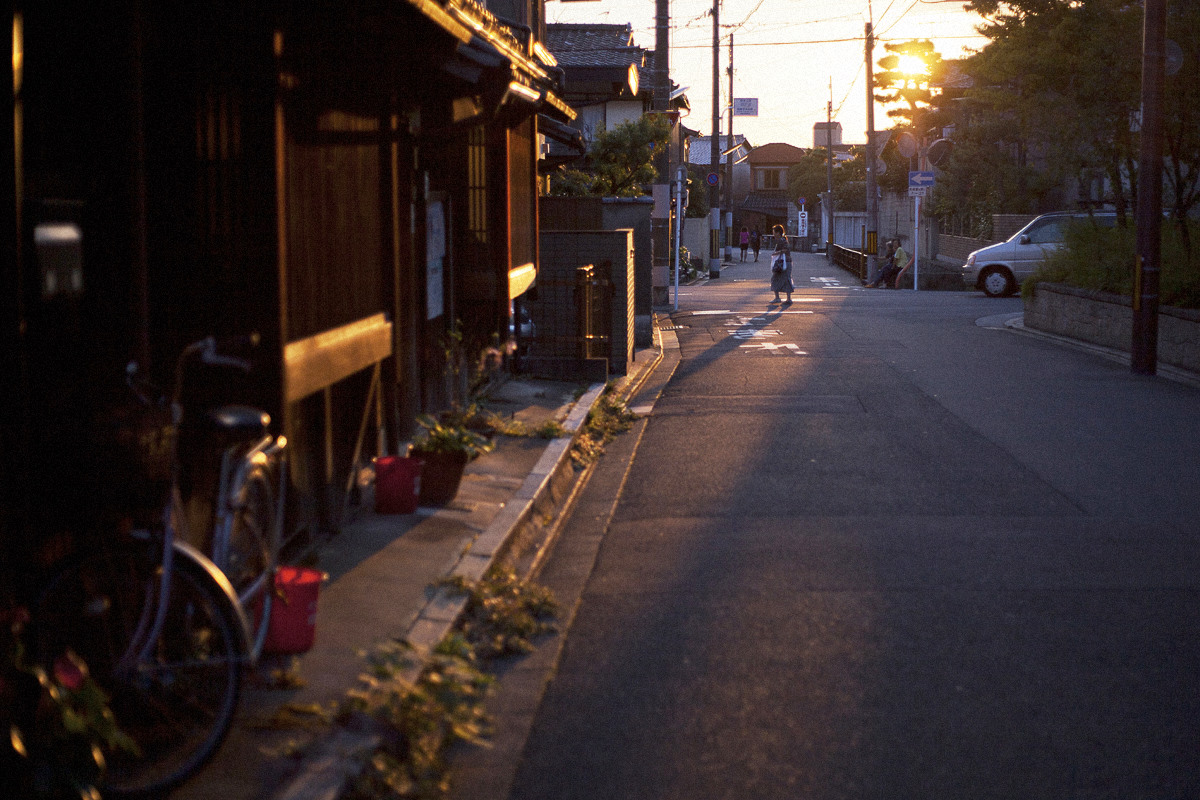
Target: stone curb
x=1167 y=371
x=444 y=608
x=339 y=757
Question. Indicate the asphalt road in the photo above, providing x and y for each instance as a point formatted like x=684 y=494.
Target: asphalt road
x=874 y=545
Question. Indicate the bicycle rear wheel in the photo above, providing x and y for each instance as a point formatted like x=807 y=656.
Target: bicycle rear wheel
x=177 y=703
x=252 y=552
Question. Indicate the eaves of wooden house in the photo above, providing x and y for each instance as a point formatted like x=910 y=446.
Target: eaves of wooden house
x=354 y=181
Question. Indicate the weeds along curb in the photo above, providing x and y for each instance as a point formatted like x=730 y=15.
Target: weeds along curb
x=339 y=758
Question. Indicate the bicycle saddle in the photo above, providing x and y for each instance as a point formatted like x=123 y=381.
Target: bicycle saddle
x=239 y=421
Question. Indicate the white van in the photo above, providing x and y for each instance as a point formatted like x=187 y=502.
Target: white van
x=999 y=269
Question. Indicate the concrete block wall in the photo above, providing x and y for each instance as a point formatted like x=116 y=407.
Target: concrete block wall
x=564 y=251
x=1107 y=320
x=955 y=249
x=634 y=213
x=614 y=213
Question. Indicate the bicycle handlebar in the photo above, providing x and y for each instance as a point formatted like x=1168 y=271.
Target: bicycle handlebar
x=214 y=350
x=209 y=350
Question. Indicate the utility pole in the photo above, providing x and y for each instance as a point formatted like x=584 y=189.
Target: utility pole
x=829 y=175
x=714 y=164
x=871 y=245
x=729 y=165
x=1144 y=347
x=660 y=221
x=680 y=182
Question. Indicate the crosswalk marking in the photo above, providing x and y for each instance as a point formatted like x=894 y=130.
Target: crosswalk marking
x=784 y=349
x=754 y=333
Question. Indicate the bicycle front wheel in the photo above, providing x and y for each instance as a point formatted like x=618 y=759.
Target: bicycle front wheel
x=173 y=688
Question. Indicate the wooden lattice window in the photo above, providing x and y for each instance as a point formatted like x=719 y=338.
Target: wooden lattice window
x=477 y=185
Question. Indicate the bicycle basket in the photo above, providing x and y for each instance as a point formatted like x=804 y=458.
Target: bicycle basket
x=135 y=449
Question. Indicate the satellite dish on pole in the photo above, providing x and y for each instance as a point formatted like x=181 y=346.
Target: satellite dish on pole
x=906 y=143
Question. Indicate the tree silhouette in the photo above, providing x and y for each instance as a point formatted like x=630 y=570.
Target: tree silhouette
x=904 y=78
x=619 y=163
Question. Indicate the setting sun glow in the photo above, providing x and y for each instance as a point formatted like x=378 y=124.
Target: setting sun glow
x=912 y=65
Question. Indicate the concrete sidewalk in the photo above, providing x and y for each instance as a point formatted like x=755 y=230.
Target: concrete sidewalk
x=384 y=572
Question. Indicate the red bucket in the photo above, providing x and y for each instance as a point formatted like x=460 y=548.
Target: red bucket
x=293 y=625
x=397 y=484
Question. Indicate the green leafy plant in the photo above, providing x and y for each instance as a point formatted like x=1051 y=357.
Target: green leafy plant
x=504 y=613
x=474 y=361
x=449 y=436
x=606 y=419
x=1102 y=259
x=689 y=268
x=619 y=162
x=74 y=726
x=550 y=429
x=443 y=706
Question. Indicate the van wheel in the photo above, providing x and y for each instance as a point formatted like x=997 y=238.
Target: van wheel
x=996 y=282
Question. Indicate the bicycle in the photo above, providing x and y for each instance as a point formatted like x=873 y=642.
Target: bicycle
x=165 y=627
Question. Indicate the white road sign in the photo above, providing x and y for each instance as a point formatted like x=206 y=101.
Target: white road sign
x=745 y=106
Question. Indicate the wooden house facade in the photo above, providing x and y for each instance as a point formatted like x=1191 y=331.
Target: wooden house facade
x=356 y=182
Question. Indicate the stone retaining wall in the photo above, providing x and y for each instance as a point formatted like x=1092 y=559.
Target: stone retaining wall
x=1107 y=320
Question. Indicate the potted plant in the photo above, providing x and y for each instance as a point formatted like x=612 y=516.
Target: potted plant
x=444 y=446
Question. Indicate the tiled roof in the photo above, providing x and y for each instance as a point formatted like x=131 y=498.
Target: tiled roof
x=769 y=201
x=579 y=45
x=776 y=153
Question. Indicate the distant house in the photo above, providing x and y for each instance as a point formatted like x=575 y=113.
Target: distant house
x=606 y=76
x=824 y=132
x=768 y=203
x=607 y=81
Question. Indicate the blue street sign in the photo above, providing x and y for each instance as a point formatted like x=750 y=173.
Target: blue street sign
x=918 y=179
x=713 y=179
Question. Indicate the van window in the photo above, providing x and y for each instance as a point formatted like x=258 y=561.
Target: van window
x=1048 y=231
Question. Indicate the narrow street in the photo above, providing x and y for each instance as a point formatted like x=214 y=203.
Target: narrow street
x=875 y=545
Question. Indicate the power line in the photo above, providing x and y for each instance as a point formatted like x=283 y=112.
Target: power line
x=765 y=44
x=902 y=16
x=819 y=41
x=853 y=83
x=748 y=16
x=885 y=11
